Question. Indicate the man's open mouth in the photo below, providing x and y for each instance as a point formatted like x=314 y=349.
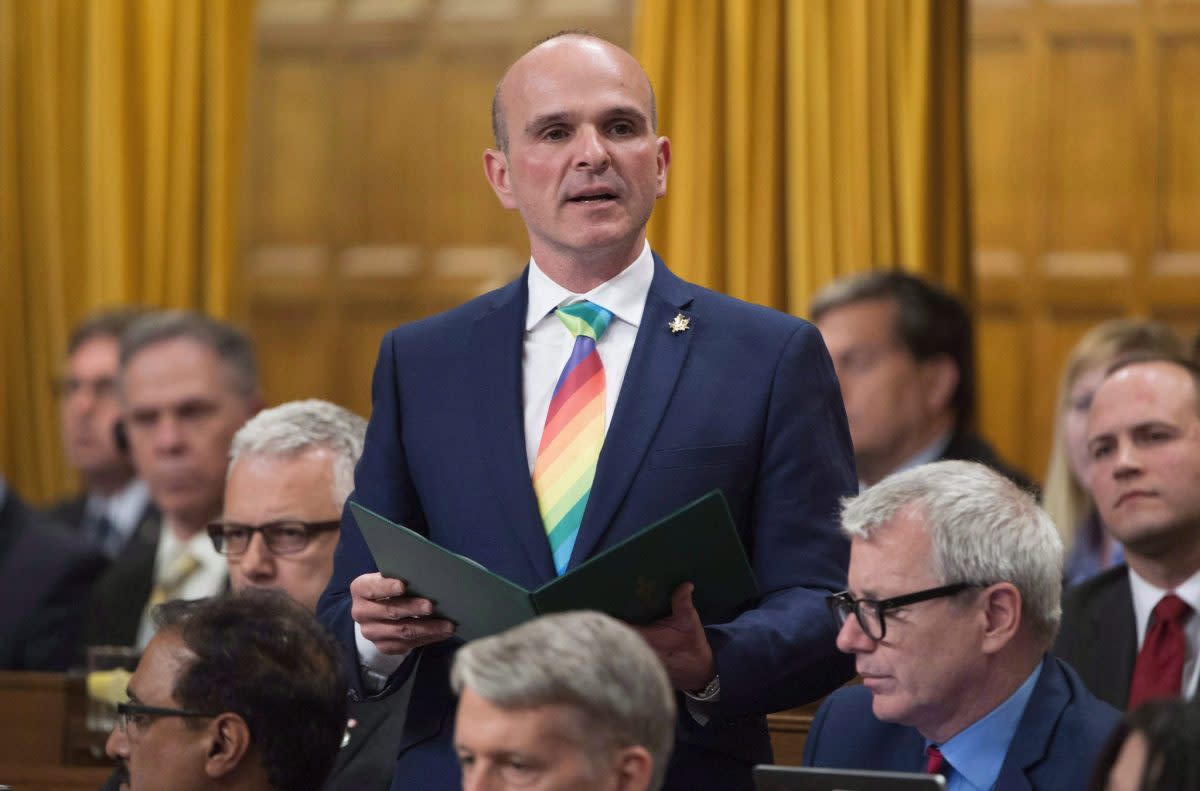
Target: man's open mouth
x=598 y=197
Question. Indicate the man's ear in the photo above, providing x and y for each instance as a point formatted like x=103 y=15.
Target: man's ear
x=939 y=377
x=228 y=744
x=1002 y=614
x=635 y=768
x=664 y=163
x=495 y=167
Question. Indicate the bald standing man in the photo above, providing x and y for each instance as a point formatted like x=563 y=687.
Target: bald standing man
x=599 y=356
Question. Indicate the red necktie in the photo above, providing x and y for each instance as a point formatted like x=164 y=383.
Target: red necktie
x=935 y=762
x=1159 y=669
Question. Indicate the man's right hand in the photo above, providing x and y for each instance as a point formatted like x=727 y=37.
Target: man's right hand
x=394 y=622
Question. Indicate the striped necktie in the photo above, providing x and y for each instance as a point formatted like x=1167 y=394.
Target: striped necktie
x=574 y=432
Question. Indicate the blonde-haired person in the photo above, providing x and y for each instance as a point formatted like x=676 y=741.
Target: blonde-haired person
x=1065 y=496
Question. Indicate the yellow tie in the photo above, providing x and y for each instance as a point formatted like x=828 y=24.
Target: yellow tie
x=171 y=580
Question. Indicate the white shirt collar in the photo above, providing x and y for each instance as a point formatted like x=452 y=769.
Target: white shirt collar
x=624 y=295
x=123 y=508
x=1146 y=596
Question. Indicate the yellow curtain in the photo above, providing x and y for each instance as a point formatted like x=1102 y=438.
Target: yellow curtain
x=121 y=129
x=811 y=139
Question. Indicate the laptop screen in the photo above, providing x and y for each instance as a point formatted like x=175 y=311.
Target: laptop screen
x=796 y=778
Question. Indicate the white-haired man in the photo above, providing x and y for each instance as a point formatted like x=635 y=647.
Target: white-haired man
x=569 y=702
x=291 y=469
x=954 y=600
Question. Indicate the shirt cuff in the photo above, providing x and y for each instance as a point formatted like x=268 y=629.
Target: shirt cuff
x=699 y=706
x=374 y=665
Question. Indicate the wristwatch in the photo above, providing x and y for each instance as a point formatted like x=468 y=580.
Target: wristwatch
x=710 y=691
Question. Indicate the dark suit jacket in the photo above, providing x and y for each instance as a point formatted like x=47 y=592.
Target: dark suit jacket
x=121 y=593
x=1056 y=743
x=1098 y=636
x=968 y=446
x=745 y=401
x=45 y=574
x=70 y=512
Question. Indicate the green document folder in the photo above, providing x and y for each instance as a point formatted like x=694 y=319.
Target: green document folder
x=632 y=581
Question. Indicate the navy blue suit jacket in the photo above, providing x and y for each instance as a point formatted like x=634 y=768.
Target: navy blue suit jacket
x=45 y=575
x=1058 y=739
x=745 y=401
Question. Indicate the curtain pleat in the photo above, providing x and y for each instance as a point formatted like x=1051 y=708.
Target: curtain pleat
x=121 y=129
x=811 y=139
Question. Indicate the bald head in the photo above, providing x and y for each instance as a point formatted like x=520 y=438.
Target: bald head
x=555 y=47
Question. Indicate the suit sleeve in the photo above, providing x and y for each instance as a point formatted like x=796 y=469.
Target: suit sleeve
x=812 y=743
x=382 y=484
x=782 y=652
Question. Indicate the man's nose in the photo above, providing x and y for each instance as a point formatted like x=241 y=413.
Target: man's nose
x=1127 y=460
x=258 y=564
x=593 y=149
x=168 y=435
x=851 y=639
x=117 y=746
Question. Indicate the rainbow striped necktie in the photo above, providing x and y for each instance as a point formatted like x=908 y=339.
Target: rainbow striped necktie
x=574 y=432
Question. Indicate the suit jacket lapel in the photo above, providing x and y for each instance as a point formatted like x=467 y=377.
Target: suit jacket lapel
x=654 y=366
x=496 y=348
x=1115 y=654
x=1038 y=722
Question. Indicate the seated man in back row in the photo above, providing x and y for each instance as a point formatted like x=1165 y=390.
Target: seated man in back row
x=291 y=469
x=953 y=602
x=569 y=702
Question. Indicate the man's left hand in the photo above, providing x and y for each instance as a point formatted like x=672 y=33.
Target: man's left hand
x=681 y=644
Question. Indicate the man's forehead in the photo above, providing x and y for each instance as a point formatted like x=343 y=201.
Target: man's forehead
x=1142 y=391
x=573 y=54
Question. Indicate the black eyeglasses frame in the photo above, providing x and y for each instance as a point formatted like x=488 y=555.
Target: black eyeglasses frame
x=216 y=532
x=127 y=710
x=837 y=602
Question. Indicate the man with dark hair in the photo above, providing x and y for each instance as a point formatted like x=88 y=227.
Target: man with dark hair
x=538 y=425
x=904 y=354
x=1132 y=632
x=237 y=692
x=114 y=502
x=186 y=384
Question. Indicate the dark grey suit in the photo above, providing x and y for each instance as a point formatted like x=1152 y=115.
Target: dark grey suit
x=121 y=593
x=1098 y=636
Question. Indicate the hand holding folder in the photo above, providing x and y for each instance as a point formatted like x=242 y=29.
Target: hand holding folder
x=632 y=580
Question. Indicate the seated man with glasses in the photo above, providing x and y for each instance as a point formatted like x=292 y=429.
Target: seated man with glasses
x=955 y=582
x=243 y=691
x=291 y=469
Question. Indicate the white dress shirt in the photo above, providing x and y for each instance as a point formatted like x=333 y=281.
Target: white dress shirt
x=1146 y=596
x=545 y=351
x=207 y=580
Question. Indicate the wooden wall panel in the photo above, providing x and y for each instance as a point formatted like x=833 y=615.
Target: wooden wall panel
x=1092 y=148
x=1086 y=189
x=1000 y=138
x=1001 y=339
x=1178 y=229
x=292 y=145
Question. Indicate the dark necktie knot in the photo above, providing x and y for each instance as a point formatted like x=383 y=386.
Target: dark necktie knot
x=1170 y=609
